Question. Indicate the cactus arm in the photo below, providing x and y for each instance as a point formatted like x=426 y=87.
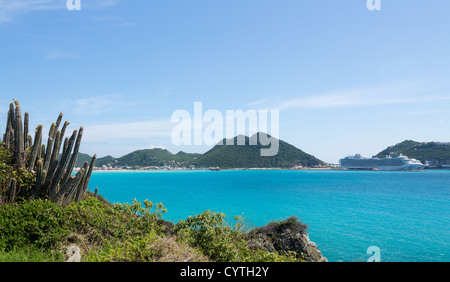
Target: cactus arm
x=49 y=146
x=26 y=121
x=74 y=157
x=39 y=176
x=86 y=180
x=61 y=166
x=36 y=147
x=19 y=139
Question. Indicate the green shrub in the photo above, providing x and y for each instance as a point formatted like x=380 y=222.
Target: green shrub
x=221 y=242
x=42 y=223
x=142 y=218
x=38 y=223
x=209 y=232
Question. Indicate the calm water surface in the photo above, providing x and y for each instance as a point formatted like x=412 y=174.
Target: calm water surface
x=405 y=214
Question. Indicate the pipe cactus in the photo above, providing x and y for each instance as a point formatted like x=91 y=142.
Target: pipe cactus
x=52 y=169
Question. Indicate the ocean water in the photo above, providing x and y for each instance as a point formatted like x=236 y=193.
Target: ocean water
x=406 y=215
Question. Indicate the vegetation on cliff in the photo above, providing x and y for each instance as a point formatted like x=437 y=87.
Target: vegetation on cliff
x=434 y=152
x=41 y=230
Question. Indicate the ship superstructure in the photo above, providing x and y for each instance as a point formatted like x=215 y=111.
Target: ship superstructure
x=358 y=162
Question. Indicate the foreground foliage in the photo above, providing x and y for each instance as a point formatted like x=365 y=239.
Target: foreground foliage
x=40 y=230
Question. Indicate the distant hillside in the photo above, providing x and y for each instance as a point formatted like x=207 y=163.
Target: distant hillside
x=435 y=152
x=105 y=161
x=223 y=156
x=248 y=156
x=149 y=157
x=155 y=157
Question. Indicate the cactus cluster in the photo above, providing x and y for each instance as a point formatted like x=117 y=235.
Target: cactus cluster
x=53 y=170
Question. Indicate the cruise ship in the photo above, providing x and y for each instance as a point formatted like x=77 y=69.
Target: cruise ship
x=358 y=162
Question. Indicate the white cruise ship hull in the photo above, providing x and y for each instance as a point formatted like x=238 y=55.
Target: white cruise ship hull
x=398 y=163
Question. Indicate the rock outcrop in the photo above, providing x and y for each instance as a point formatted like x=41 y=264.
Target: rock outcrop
x=286 y=236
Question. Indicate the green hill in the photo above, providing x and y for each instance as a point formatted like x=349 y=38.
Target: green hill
x=154 y=157
x=248 y=156
x=148 y=157
x=434 y=152
x=108 y=160
x=82 y=158
x=223 y=156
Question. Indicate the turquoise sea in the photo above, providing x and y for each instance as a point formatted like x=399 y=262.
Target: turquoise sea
x=404 y=214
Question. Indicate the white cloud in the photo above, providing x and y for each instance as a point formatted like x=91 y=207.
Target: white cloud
x=96 y=105
x=128 y=130
x=157 y=147
x=12 y=8
x=355 y=98
x=93 y=105
x=341 y=99
x=9 y=9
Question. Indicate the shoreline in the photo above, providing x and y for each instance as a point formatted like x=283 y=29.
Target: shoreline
x=224 y=169
x=250 y=169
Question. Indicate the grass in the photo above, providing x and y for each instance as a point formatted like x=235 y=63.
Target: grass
x=30 y=254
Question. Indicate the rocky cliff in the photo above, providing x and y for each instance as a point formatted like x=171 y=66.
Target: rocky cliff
x=286 y=236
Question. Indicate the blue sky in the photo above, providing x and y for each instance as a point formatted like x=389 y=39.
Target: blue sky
x=345 y=79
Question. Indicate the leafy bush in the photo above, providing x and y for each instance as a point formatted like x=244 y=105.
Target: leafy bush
x=42 y=223
x=143 y=218
x=221 y=242
x=38 y=223
x=209 y=232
